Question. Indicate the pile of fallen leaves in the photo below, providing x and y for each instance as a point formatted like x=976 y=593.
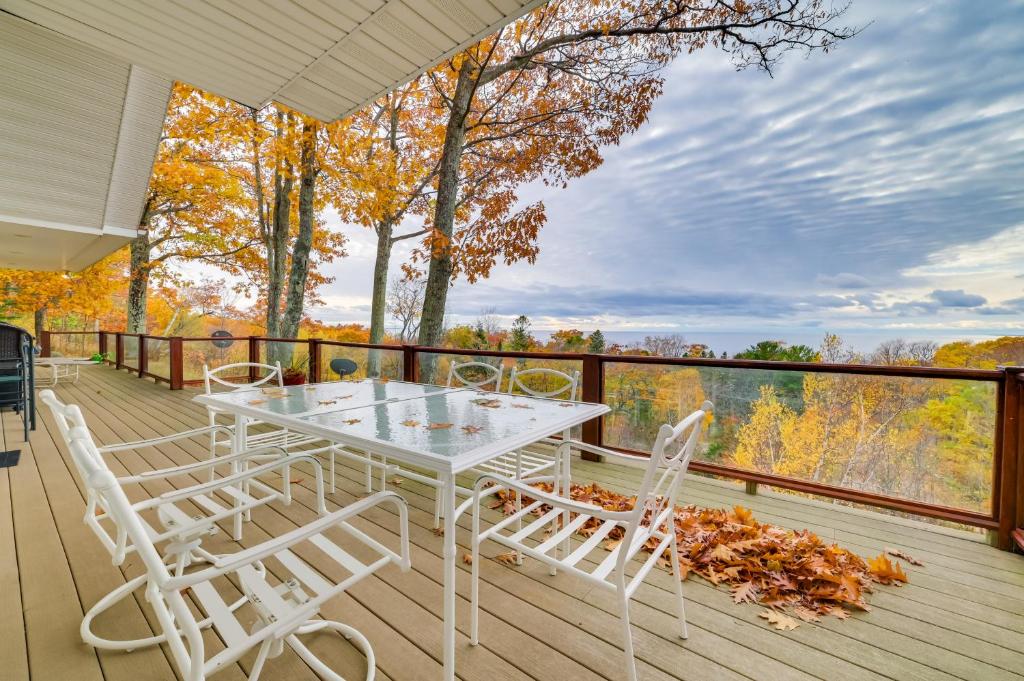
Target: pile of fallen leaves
x=782 y=569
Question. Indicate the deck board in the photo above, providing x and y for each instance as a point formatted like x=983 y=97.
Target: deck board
x=961 y=617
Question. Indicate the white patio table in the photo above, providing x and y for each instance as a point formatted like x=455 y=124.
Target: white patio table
x=407 y=423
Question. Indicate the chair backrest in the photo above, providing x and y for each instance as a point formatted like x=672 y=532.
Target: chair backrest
x=66 y=416
x=343 y=366
x=670 y=457
x=179 y=623
x=213 y=377
x=462 y=374
x=567 y=385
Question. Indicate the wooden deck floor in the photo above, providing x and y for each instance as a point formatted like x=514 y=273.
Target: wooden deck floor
x=961 y=616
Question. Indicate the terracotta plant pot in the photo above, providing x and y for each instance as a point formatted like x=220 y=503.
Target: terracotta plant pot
x=293 y=378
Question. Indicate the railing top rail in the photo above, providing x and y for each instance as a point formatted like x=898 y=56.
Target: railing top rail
x=814 y=367
x=514 y=354
x=354 y=344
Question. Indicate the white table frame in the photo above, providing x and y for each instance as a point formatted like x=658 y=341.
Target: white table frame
x=446 y=468
x=60 y=368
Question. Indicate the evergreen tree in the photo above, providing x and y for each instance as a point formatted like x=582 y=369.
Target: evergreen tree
x=595 y=343
x=520 y=339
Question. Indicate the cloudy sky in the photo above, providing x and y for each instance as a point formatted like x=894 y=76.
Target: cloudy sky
x=879 y=187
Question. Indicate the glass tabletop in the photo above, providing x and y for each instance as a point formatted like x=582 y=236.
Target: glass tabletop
x=458 y=424
x=315 y=398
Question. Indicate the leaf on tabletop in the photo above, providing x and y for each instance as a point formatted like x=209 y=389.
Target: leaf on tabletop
x=521 y=405
x=351 y=421
x=383 y=379
x=472 y=429
x=898 y=553
x=343 y=397
x=411 y=423
x=326 y=402
x=490 y=403
x=257 y=401
x=566 y=404
x=439 y=426
x=778 y=620
x=310 y=388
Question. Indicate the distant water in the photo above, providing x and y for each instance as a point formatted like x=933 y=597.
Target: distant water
x=737 y=341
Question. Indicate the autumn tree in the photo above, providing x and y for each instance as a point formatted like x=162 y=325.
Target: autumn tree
x=194 y=206
x=539 y=99
x=595 y=343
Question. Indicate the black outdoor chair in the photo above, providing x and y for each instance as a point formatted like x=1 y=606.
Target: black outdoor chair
x=17 y=374
x=343 y=367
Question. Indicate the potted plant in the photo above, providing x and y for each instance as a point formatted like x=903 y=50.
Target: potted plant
x=295 y=375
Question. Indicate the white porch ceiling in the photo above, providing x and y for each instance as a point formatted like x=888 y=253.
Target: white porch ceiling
x=326 y=58
x=84 y=88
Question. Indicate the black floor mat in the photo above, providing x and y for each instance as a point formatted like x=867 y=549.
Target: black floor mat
x=9 y=458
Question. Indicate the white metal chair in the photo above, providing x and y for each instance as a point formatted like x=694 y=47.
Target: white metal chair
x=274 y=437
x=285 y=595
x=178 y=520
x=547 y=537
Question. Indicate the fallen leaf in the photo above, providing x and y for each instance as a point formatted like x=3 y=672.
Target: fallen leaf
x=472 y=429
x=566 y=404
x=806 y=614
x=411 y=423
x=778 y=620
x=467 y=558
x=519 y=405
x=746 y=591
x=325 y=402
x=509 y=558
x=397 y=482
x=351 y=421
x=884 y=571
x=900 y=554
x=485 y=402
x=310 y=388
x=439 y=426
x=257 y=401
x=438 y=531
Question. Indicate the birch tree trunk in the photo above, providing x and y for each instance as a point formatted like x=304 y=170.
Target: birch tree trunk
x=439 y=273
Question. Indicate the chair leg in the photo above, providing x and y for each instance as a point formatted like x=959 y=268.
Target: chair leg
x=627 y=637
x=437 y=508
x=369 y=475
x=519 y=502
x=474 y=593
x=333 y=483
x=678 y=577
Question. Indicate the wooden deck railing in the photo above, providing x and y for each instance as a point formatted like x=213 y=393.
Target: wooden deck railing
x=1004 y=522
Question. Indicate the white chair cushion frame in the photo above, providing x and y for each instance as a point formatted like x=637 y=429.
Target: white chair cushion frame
x=547 y=538
x=275 y=437
x=285 y=608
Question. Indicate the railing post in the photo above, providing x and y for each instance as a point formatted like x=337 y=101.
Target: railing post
x=254 y=357
x=1009 y=497
x=314 y=360
x=44 y=344
x=101 y=344
x=593 y=391
x=143 y=359
x=118 y=350
x=410 y=363
x=177 y=359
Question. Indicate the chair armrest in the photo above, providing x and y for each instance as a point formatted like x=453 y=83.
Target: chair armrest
x=186 y=469
x=552 y=500
x=235 y=561
x=138 y=444
x=213 y=486
x=628 y=459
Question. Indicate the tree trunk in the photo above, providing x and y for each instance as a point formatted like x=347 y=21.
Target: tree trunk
x=380 y=291
x=138 y=284
x=40 y=322
x=277 y=250
x=297 y=277
x=439 y=274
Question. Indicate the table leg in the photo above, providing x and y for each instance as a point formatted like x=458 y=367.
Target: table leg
x=237 y=446
x=448 y=491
